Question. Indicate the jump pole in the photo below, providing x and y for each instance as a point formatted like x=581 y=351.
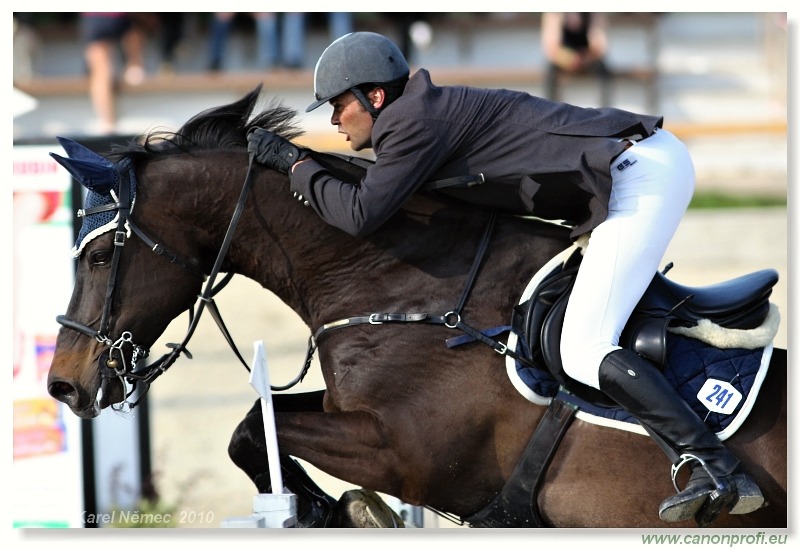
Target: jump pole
x=278 y=508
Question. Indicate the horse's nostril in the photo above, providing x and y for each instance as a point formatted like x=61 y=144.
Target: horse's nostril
x=61 y=391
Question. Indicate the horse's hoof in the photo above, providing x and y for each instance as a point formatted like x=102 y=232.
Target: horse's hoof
x=365 y=509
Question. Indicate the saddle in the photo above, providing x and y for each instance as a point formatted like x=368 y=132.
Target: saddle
x=740 y=303
x=654 y=331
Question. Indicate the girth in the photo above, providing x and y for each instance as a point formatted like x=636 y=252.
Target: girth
x=516 y=505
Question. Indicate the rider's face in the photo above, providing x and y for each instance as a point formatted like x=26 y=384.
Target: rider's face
x=352 y=120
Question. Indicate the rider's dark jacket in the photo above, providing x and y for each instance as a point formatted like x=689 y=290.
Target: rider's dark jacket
x=539 y=157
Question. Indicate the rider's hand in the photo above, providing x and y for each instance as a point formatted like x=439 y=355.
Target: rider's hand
x=272 y=150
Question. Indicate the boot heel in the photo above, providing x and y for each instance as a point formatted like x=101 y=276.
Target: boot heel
x=718 y=499
x=749 y=498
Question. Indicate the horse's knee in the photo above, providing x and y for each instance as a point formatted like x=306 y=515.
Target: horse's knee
x=247 y=446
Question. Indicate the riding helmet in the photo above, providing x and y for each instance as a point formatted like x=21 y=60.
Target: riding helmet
x=354 y=59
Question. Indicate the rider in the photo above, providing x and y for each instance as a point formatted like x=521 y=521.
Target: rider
x=615 y=174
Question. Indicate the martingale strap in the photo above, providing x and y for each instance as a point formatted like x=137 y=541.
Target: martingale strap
x=451 y=319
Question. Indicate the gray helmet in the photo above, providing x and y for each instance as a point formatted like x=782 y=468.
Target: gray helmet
x=354 y=59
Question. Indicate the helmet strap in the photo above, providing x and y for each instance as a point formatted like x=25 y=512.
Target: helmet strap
x=365 y=102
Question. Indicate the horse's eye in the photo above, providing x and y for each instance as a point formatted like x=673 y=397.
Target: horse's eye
x=101 y=257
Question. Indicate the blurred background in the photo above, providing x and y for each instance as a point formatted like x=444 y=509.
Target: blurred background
x=716 y=77
x=719 y=79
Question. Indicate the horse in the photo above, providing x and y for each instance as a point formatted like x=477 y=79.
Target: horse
x=402 y=413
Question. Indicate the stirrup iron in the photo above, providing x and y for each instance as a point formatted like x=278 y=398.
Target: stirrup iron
x=685 y=459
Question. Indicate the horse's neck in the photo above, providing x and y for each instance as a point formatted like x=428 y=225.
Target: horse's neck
x=279 y=243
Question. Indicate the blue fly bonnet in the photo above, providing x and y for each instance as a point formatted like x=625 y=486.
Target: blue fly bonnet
x=102 y=179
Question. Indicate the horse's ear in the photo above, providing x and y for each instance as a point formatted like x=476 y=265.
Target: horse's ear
x=77 y=151
x=97 y=177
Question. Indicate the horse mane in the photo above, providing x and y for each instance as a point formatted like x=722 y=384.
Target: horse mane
x=221 y=128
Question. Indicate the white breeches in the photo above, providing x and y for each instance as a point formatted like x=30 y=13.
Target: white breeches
x=652 y=185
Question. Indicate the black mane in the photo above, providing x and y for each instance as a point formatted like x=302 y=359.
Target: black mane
x=220 y=128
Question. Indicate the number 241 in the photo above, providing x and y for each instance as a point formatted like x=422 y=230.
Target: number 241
x=720 y=395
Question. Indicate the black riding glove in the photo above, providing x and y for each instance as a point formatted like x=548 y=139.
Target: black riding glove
x=272 y=150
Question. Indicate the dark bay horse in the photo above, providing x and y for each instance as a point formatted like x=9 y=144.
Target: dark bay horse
x=401 y=413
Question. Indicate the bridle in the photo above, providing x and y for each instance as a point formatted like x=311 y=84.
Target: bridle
x=132 y=374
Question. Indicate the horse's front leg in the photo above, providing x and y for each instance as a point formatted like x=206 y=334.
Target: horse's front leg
x=343 y=444
x=248 y=451
x=247 y=447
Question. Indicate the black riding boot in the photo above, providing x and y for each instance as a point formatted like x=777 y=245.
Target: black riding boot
x=717 y=478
